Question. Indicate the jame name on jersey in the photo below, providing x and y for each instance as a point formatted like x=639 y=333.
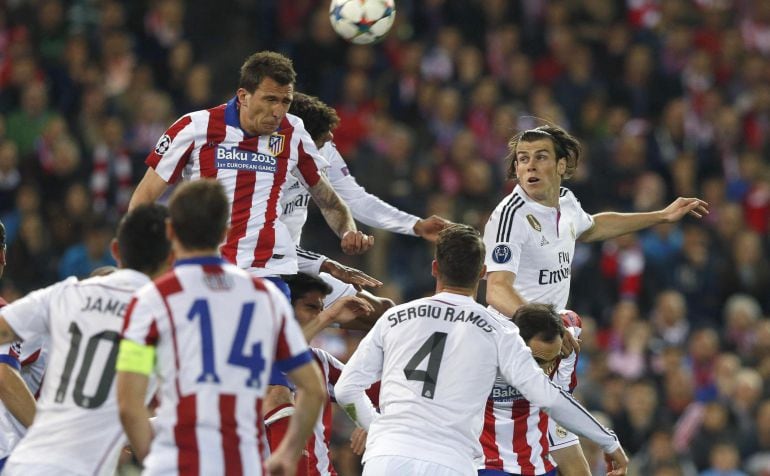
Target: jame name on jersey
x=448 y=314
x=109 y=306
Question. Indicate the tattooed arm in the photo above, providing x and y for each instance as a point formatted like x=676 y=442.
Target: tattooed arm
x=338 y=216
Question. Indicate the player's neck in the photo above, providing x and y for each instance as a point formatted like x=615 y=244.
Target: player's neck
x=183 y=253
x=443 y=288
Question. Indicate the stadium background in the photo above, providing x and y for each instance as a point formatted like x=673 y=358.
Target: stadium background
x=668 y=97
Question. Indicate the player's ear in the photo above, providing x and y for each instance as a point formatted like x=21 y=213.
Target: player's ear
x=561 y=166
x=434 y=269
x=483 y=271
x=115 y=250
x=242 y=93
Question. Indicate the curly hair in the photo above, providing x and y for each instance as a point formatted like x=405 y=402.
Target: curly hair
x=317 y=116
x=266 y=64
x=565 y=146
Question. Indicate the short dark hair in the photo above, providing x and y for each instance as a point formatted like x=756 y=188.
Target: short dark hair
x=199 y=212
x=460 y=255
x=142 y=238
x=538 y=320
x=319 y=118
x=301 y=284
x=564 y=145
x=266 y=64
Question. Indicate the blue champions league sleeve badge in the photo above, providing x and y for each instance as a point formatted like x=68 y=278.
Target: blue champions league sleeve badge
x=501 y=254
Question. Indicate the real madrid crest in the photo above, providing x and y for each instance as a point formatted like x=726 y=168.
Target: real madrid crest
x=534 y=223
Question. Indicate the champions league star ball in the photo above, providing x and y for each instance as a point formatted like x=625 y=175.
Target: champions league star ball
x=362 y=21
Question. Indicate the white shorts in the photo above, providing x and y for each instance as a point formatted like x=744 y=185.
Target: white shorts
x=339 y=289
x=28 y=469
x=559 y=437
x=402 y=465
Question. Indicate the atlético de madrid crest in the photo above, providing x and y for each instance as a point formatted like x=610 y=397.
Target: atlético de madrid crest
x=276 y=143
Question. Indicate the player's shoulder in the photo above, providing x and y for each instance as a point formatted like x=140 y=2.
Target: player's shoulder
x=567 y=197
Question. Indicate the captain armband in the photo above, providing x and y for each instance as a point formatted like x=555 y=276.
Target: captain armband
x=135 y=357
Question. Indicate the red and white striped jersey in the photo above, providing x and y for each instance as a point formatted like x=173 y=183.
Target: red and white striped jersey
x=516 y=438
x=211 y=144
x=77 y=411
x=218 y=332
x=319 y=458
x=30 y=359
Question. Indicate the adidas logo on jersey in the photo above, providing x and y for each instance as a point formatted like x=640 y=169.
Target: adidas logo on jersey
x=543 y=241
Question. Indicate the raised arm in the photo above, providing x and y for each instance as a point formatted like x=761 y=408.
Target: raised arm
x=362 y=370
x=611 y=224
x=339 y=218
x=500 y=293
x=150 y=188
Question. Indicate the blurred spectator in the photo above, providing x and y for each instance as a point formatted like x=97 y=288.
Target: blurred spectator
x=93 y=252
x=27 y=123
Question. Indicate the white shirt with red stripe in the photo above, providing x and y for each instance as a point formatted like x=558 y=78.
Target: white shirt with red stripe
x=218 y=331
x=76 y=427
x=515 y=438
x=319 y=457
x=253 y=169
x=437 y=358
x=29 y=358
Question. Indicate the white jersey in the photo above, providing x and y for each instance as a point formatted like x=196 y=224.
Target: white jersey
x=517 y=434
x=217 y=332
x=211 y=144
x=438 y=358
x=365 y=207
x=76 y=426
x=30 y=359
x=536 y=243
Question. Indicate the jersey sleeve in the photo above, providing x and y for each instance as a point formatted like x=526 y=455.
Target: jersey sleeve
x=173 y=150
x=365 y=207
x=309 y=262
x=29 y=316
x=362 y=370
x=310 y=164
x=291 y=350
x=140 y=321
x=519 y=369
x=583 y=220
x=503 y=240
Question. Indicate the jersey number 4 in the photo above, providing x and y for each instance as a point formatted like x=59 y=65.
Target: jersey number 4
x=254 y=362
x=433 y=347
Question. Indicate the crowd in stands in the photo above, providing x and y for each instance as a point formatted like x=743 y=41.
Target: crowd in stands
x=669 y=98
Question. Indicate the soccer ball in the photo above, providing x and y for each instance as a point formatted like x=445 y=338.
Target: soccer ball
x=362 y=21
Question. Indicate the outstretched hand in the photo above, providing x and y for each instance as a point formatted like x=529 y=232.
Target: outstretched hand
x=429 y=228
x=349 y=275
x=356 y=242
x=348 y=308
x=683 y=206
